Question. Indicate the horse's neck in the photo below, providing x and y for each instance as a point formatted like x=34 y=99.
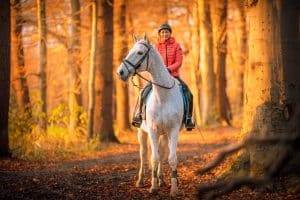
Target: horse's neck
x=159 y=74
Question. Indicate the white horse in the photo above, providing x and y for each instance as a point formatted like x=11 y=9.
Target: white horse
x=164 y=111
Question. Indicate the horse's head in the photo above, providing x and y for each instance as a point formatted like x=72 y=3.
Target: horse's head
x=137 y=59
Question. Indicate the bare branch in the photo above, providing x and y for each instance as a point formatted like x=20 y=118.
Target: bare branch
x=229 y=150
x=222 y=155
x=226 y=187
x=290 y=144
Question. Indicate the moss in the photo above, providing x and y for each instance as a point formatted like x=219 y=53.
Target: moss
x=238 y=168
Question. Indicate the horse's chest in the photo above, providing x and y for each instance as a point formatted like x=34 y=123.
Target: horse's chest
x=162 y=116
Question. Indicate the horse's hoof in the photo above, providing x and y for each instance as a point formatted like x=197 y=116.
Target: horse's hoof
x=162 y=183
x=153 y=191
x=139 y=184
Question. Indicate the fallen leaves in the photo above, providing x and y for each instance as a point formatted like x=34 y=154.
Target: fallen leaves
x=111 y=174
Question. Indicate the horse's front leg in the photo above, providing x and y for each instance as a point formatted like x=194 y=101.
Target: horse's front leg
x=173 y=139
x=154 y=161
x=142 y=138
x=163 y=148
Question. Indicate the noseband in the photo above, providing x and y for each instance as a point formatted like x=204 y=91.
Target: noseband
x=138 y=64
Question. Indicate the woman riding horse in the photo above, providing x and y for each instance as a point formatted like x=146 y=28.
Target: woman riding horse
x=171 y=54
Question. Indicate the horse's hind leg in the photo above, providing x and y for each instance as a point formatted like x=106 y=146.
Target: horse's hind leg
x=142 y=138
x=173 y=138
x=163 y=148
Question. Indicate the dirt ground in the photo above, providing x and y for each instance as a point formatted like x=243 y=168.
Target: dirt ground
x=111 y=173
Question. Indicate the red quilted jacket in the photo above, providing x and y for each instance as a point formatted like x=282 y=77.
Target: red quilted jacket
x=171 y=54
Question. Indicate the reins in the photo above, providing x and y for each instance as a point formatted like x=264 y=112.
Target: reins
x=138 y=64
x=149 y=81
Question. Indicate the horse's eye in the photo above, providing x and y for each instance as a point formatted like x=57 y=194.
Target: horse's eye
x=140 y=52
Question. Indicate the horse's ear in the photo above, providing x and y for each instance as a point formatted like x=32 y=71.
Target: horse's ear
x=135 y=38
x=146 y=38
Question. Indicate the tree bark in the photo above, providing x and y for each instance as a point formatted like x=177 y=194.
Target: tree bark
x=119 y=52
x=206 y=64
x=91 y=81
x=74 y=62
x=41 y=19
x=272 y=88
x=218 y=12
x=4 y=76
x=19 y=81
x=104 y=79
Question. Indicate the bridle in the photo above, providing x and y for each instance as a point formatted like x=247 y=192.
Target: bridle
x=138 y=65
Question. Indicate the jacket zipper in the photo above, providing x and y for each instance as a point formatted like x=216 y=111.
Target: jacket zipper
x=166 y=55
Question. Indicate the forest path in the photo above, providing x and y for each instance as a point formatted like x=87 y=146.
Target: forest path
x=111 y=173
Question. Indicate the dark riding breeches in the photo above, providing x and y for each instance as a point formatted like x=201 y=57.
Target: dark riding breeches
x=189 y=97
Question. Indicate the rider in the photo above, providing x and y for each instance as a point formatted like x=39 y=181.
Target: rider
x=171 y=54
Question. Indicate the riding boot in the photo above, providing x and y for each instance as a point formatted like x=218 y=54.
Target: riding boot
x=189 y=124
x=137 y=115
x=140 y=108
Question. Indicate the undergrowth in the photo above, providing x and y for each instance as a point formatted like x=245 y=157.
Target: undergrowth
x=28 y=142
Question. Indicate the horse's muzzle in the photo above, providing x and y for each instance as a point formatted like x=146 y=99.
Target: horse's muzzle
x=121 y=74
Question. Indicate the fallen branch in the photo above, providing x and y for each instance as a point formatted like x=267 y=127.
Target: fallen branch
x=291 y=145
x=225 y=187
x=229 y=150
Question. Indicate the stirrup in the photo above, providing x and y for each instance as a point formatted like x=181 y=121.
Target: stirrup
x=189 y=125
x=136 y=121
x=136 y=124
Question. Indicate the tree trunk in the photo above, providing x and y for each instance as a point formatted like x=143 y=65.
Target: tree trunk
x=4 y=76
x=206 y=64
x=290 y=48
x=195 y=69
x=19 y=81
x=74 y=62
x=120 y=51
x=236 y=57
x=91 y=81
x=41 y=18
x=104 y=79
x=271 y=83
x=218 y=12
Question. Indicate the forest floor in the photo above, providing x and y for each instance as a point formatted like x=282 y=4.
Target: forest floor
x=111 y=173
